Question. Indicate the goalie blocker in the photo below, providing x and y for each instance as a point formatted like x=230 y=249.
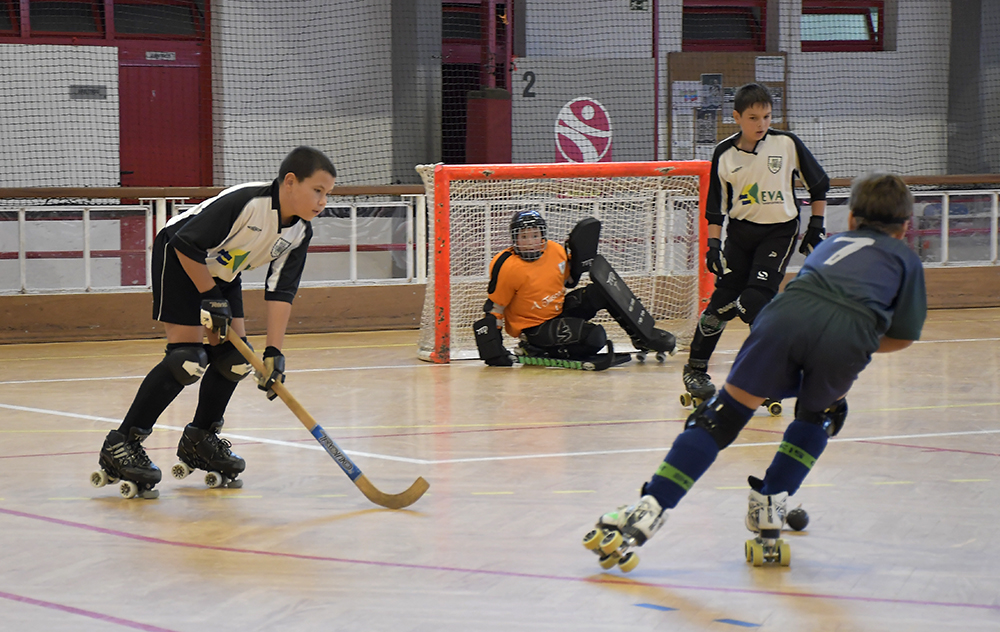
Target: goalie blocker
x=629 y=312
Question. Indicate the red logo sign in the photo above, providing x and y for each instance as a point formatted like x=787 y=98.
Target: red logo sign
x=583 y=132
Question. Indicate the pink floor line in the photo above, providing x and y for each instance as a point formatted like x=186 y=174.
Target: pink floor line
x=475 y=571
x=84 y=613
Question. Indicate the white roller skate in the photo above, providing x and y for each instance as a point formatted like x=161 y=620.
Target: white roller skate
x=766 y=517
x=625 y=528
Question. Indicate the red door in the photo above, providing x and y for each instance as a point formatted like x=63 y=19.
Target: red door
x=160 y=108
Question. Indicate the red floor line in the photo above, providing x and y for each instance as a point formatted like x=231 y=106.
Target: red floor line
x=602 y=579
x=84 y=613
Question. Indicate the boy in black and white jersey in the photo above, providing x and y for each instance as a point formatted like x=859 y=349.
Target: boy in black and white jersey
x=752 y=182
x=197 y=261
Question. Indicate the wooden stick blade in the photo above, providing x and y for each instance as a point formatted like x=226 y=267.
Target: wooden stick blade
x=392 y=501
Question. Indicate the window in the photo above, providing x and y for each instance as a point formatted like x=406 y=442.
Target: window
x=68 y=17
x=158 y=17
x=10 y=21
x=842 y=25
x=724 y=25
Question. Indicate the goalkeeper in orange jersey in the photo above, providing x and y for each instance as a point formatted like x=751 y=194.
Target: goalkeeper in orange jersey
x=527 y=298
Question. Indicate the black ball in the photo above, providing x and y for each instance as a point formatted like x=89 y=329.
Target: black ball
x=797 y=519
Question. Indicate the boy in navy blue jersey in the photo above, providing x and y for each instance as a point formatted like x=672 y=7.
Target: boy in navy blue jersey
x=858 y=293
x=753 y=173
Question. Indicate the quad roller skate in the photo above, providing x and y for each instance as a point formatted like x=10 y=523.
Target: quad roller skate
x=625 y=528
x=699 y=387
x=766 y=517
x=773 y=406
x=205 y=450
x=124 y=459
x=662 y=343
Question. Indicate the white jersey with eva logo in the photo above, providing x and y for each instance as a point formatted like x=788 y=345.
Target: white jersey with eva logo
x=240 y=229
x=757 y=186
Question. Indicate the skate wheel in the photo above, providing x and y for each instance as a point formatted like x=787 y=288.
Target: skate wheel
x=128 y=489
x=99 y=478
x=181 y=470
x=214 y=479
x=746 y=550
x=612 y=540
x=686 y=400
x=640 y=356
x=592 y=541
x=661 y=357
x=784 y=554
x=756 y=554
x=774 y=408
x=628 y=562
x=608 y=561
x=236 y=483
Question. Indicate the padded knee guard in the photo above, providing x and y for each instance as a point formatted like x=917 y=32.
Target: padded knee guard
x=751 y=301
x=186 y=361
x=831 y=419
x=721 y=420
x=710 y=324
x=489 y=341
x=594 y=336
x=229 y=362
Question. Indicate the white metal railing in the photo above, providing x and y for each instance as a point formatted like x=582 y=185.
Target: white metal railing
x=388 y=237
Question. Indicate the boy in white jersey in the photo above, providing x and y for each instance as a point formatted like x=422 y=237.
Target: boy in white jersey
x=752 y=182
x=197 y=261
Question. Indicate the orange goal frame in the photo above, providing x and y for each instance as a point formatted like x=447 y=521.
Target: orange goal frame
x=441 y=247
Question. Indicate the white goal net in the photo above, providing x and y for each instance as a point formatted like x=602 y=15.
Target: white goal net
x=651 y=216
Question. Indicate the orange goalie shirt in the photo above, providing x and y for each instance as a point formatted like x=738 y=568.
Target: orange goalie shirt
x=531 y=291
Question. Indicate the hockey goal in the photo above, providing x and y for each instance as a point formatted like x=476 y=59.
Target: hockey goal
x=652 y=216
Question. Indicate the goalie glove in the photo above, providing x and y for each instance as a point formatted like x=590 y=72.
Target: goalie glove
x=715 y=261
x=815 y=234
x=274 y=371
x=215 y=312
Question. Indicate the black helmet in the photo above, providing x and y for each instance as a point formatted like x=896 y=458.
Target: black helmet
x=521 y=221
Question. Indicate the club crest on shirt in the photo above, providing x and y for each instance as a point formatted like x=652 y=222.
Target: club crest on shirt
x=774 y=164
x=279 y=247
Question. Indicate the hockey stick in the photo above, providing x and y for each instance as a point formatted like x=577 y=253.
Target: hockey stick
x=372 y=493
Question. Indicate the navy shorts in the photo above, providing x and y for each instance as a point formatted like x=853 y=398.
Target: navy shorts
x=175 y=298
x=807 y=346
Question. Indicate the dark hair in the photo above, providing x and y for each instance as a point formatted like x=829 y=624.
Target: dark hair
x=303 y=162
x=880 y=201
x=751 y=94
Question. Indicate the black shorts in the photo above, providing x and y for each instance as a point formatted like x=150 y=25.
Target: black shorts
x=757 y=254
x=176 y=300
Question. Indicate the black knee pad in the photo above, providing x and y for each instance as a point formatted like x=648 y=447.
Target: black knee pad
x=229 y=362
x=725 y=426
x=710 y=324
x=594 y=336
x=186 y=361
x=723 y=304
x=831 y=419
x=751 y=301
x=584 y=302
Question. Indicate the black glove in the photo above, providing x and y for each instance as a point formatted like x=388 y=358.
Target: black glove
x=714 y=260
x=215 y=312
x=815 y=233
x=274 y=371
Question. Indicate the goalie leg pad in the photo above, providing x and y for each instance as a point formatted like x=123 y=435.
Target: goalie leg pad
x=229 y=362
x=582 y=247
x=186 y=362
x=489 y=341
x=622 y=304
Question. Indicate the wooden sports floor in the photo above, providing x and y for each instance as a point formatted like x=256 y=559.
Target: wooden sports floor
x=904 y=504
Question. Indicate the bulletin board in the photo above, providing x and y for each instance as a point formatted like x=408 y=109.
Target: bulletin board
x=700 y=91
